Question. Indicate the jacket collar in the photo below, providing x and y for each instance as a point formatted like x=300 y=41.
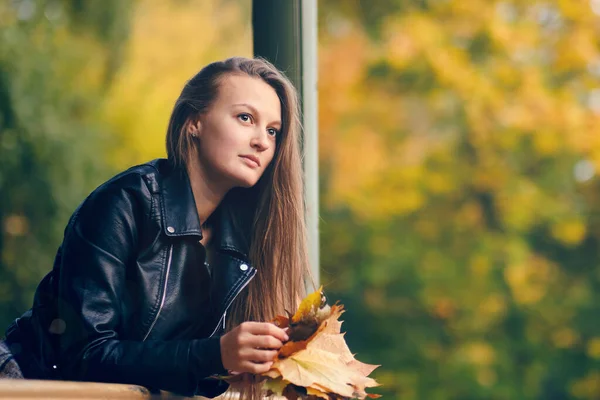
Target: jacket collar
x=180 y=217
x=232 y=224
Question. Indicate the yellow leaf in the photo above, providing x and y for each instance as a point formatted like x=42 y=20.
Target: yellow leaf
x=317 y=392
x=309 y=306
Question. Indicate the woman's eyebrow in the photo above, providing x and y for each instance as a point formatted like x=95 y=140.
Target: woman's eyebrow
x=255 y=111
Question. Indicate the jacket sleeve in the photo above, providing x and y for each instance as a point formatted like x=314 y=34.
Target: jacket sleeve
x=101 y=240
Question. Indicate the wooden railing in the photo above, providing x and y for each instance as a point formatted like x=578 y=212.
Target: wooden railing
x=28 y=389
x=24 y=389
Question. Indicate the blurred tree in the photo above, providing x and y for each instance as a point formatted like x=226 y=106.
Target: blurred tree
x=460 y=145
x=57 y=59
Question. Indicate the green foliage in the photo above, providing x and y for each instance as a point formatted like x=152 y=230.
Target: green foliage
x=54 y=66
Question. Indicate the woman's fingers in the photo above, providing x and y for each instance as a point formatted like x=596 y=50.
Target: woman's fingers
x=260 y=342
x=266 y=342
x=258 y=355
x=256 y=368
x=264 y=329
x=251 y=347
x=261 y=356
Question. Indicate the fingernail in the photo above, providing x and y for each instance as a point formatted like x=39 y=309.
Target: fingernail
x=286 y=337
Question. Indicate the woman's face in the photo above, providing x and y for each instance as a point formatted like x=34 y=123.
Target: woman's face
x=237 y=134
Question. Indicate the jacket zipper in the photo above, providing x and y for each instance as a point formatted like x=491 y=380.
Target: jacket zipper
x=164 y=293
x=222 y=319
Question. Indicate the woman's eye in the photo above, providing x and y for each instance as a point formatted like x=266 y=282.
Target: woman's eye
x=272 y=132
x=245 y=117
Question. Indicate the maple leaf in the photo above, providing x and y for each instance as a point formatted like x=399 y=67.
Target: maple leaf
x=320 y=365
x=310 y=306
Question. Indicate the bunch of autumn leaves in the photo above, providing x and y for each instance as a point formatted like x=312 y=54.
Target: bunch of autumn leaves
x=315 y=362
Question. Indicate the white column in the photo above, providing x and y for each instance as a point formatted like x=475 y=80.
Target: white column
x=311 y=126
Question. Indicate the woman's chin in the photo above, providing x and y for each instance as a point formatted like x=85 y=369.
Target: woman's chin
x=246 y=182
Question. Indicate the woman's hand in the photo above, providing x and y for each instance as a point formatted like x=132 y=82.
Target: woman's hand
x=251 y=347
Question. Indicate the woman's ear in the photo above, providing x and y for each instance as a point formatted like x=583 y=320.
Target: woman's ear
x=193 y=128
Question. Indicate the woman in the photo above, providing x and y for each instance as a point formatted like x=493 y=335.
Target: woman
x=161 y=265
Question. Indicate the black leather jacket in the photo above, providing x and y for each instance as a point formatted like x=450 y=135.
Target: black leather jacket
x=130 y=298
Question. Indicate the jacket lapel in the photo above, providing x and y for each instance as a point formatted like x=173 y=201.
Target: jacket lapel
x=179 y=213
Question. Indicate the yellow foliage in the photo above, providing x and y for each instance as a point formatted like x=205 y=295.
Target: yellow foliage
x=439 y=183
x=361 y=152
x=569 y=232
x=88 y=67
x=529 y=279
x=593 y=348
x=399 y=46
x=487 y=111
x=161 y=57
x=576 y=48
x=342 y=65
x=548 y=143
x=480 y=265
x=587 y=387
x=564 y=338
x=519 y=204
x=504 y=101
x=479 y=353
x=492 y=307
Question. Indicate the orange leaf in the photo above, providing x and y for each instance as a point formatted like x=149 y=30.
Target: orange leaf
x=281 y=321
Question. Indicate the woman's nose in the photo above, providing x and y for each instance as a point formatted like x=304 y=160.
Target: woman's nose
x=260 y=141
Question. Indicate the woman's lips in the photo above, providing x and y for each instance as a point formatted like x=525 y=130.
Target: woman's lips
x=251 y=161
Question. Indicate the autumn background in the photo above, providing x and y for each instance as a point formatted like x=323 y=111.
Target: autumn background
x=459 y=152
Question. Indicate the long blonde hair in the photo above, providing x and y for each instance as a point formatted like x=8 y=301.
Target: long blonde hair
x=278 y=248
